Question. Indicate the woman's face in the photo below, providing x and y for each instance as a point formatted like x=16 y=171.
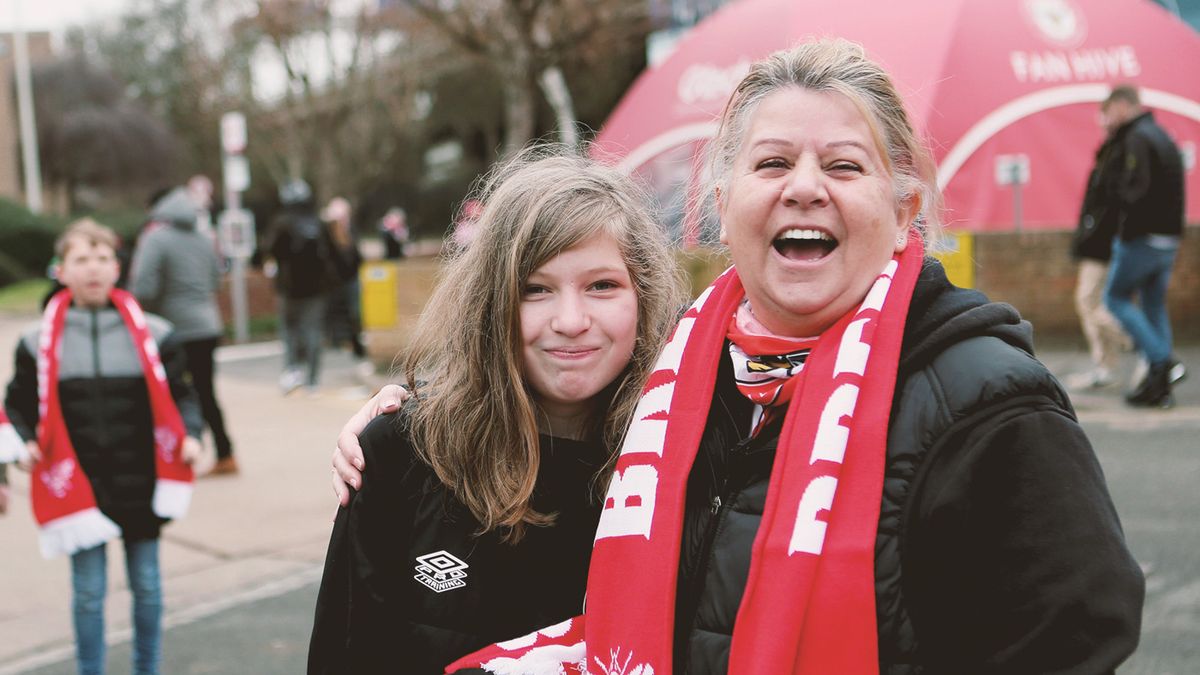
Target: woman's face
x=809 y=214
x=578 y=326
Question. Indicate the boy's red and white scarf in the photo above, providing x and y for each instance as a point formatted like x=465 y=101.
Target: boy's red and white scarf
x=809 y=602
x=63 y=502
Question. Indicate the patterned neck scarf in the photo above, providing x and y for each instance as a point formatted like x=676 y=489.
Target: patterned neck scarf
x=766 y=367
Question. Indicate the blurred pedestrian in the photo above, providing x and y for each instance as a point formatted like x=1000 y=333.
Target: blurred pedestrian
x=345 y=311
x=1147 y=198
x=302 y=248
x=467 y=224
x=394 y=228
x=99 y=397
x=176 y=274
x=1092 y=249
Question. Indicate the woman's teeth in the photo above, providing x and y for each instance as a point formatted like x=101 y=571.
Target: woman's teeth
x=804 y=244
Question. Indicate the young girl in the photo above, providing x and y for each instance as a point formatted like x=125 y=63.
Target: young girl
x=477 y=522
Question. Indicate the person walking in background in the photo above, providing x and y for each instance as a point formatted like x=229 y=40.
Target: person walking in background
x=466 y=226
x=1092 y=248
x=345 y=312
x=99 y=396
x=1147 y=196
x=394 y=227
x=176 y=274
x=303 y=252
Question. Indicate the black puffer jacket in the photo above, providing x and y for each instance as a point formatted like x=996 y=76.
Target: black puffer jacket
x=998 y=549
x=106 y=406
x=392 y=600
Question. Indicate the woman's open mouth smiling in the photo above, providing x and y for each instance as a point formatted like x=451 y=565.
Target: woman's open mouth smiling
x=804 y=244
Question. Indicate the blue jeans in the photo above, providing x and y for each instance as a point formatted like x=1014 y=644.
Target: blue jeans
x=1138 y=268
x=89 y=580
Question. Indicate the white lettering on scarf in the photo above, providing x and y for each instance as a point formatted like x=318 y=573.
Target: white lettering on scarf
x=833 y=432
x=629 y=504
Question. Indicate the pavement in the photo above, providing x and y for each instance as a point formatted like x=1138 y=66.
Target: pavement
x=239 y=572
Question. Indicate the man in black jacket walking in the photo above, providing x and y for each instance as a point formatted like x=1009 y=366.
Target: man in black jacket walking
x=1092 y=249
x=1147 y=197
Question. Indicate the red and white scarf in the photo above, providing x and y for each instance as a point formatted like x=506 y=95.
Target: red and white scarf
x=809 y=602
x=63 y=502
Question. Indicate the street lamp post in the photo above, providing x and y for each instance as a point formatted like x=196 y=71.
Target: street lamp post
x=28 y=125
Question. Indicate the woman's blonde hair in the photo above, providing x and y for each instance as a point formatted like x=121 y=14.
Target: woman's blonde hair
x=835 y=65
x=476 y=422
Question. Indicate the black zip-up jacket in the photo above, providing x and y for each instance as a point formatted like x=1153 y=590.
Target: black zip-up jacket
x=106 y=407
x=1149 y=193
x=1098 y=215
x=998 y=548
x=392 y=599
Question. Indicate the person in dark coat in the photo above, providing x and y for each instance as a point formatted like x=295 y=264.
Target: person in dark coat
x=1147 y=198
x=476 y=524
x=1091 y=248
x=844 y=463
x=303 y=251
x=106 y=419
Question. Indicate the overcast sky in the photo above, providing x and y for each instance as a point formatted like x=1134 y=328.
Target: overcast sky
x=56 y=14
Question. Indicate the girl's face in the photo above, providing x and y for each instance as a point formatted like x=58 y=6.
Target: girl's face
x=579 y=319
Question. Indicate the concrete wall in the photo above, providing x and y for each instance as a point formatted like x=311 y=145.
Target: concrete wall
x=1032 y=271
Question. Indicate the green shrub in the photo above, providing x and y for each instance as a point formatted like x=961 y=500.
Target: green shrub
x=26 y=242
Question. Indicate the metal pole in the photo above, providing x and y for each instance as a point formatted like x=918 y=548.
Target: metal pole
x=1017 y=206
x=237 y=278
x=29 y=144
x=1016 y=186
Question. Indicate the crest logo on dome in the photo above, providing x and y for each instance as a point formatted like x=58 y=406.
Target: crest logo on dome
x=1058 y=21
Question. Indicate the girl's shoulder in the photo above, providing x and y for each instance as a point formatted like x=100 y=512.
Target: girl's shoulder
x=389 y=452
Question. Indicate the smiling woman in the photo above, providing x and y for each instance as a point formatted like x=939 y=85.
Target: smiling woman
x=845 y=464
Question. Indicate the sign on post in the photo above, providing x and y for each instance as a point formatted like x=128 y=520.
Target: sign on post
x=236 y=173
x=235 y=224
x=233 y=133
x=235 y=231
x=1013 y=170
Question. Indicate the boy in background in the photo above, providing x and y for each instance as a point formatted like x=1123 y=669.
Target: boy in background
x=111 y=427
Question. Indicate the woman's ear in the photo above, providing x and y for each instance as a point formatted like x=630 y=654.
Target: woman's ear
x=723 y=236
x=906 y=217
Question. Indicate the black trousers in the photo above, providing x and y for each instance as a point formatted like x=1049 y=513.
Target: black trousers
x=201 y=369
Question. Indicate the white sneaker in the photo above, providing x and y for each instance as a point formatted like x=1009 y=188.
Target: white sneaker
x=290 y=381
x=1177 y=372
x=1096 y=378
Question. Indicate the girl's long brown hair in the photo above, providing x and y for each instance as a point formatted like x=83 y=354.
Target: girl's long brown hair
x=476 y=422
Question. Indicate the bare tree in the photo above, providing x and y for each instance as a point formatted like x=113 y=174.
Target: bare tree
x=91 y=134
x=528 y=42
